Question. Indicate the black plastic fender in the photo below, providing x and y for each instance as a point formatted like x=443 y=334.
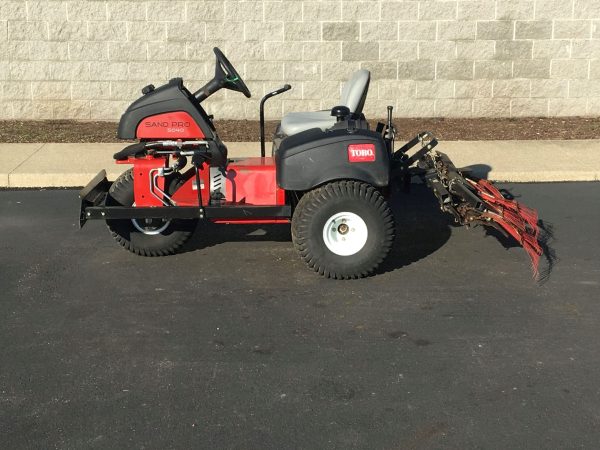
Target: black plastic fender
x=314 y=157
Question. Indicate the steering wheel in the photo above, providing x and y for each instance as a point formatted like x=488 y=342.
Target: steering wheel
x=228 y=76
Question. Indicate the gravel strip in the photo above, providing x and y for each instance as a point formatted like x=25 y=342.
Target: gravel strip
x=15 y=131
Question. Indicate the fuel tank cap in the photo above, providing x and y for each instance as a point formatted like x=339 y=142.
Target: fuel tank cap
x=147 y=89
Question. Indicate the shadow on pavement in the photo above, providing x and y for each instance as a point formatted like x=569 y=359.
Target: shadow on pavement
x=477 y=170
x=210 y=234
x=546 y=238
x=549 y=258
x=421 y=229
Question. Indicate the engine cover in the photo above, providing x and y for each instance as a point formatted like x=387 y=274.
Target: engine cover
x=168 y=112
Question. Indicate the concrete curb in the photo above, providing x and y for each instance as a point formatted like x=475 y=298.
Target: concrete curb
x=71 y=165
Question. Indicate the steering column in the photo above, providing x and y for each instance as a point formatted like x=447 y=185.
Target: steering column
x=225 y=77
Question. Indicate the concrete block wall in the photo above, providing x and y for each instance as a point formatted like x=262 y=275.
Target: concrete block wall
x=88 y=59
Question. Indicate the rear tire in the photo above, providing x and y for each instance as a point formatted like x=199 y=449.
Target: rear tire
x=159 y=238
x=343 y=229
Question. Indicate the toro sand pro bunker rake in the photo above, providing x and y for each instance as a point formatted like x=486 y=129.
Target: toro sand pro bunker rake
x=329 y=175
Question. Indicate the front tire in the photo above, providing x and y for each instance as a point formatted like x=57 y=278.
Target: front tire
x=152 y=238
x=343 y=229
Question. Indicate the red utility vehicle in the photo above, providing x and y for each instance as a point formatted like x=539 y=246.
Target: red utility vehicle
x=328 y=174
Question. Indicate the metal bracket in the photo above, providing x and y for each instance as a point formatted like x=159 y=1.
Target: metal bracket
x=186 y=212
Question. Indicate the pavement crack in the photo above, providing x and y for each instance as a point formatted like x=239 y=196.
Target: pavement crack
x=35 y=152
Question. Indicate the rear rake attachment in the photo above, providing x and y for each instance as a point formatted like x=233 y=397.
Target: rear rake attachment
x=470 y=200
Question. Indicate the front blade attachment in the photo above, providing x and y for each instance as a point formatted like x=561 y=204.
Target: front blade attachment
x=93 y=195
x=474 y=201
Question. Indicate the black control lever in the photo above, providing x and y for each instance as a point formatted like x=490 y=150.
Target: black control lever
x=286 y=87
x=390 y=131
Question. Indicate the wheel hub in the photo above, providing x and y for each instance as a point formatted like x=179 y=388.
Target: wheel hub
x=150 y=227
x=345 y=233
x=343 y=228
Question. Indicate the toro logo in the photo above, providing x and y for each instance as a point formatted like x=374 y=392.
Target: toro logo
x=361 y=152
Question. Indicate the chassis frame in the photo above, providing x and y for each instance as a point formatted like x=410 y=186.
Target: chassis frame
x=93 y=195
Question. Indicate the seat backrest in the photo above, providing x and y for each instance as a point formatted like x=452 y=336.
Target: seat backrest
x=354 y=92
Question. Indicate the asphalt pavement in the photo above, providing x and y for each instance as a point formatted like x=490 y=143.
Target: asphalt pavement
x=236 y=344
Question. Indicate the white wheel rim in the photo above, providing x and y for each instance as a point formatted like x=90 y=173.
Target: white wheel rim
x=345 y=233
x=149 y=230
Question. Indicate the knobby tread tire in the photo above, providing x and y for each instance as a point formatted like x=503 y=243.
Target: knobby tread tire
x=167 y=243
x=312 y=212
